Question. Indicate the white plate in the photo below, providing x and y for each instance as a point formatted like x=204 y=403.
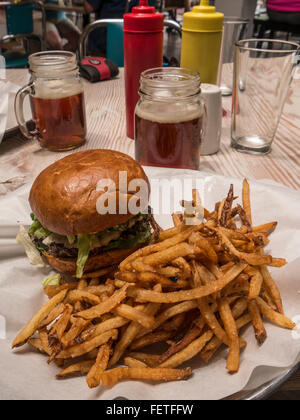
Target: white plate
x=21 y=295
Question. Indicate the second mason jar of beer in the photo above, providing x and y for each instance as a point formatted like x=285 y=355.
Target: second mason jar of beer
x=169 y=118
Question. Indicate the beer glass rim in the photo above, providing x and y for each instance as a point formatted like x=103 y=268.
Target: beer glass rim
x=164 y=83
x=190 y=75
x=57 y=60
x=242 y=45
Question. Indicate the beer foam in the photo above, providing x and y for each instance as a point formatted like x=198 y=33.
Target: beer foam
x=169 y=113
x=57 y=89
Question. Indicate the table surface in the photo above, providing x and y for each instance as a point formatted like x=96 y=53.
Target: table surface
x=105 y=104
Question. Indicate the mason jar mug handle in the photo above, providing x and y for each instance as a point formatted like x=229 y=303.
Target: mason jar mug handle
x=19 y=110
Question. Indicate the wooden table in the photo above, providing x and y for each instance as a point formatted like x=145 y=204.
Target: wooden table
x=105 y=104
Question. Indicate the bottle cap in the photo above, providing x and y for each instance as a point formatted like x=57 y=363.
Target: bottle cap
x=143 y=19
x=203 y=18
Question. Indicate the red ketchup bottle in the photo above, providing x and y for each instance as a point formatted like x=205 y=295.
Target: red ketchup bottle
x=143 y=50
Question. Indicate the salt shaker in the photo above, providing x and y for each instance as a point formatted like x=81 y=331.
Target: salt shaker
x=213 y=98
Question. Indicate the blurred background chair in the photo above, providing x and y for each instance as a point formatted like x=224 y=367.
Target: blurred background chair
x=114 y=40
x=115 y=51
x=264 y=27
x=171 y=7
x=15 y=45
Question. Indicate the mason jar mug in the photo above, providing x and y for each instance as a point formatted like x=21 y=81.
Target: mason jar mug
x=57 y=101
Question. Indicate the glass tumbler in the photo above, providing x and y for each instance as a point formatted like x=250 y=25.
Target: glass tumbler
x=263 y=71
x=235 y=29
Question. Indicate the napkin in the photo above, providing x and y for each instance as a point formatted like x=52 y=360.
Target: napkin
x=8 y=91
x=25 y=373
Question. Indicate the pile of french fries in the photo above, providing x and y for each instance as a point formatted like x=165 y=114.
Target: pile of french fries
x=193 y=290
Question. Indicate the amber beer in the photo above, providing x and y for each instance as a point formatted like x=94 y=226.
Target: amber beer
x=168 y=142
x=60 y=121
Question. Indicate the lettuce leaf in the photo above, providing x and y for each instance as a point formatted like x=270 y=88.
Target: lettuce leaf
x=31 y=251
x=37 y=230
x=85 y=243
x=84 y=247
x=52 y=280
x=71 y=239
x=140 y=237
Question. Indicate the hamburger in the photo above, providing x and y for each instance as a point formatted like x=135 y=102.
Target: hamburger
x=67 y=229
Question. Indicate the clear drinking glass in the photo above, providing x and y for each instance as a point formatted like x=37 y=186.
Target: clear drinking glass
x=235 y=29
x=263 y=71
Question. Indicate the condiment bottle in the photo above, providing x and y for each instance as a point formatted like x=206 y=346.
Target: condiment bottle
x=143 y=49
x=202 y=40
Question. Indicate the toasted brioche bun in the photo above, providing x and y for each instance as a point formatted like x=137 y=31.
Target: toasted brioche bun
x=64 y=196
x=109 y=258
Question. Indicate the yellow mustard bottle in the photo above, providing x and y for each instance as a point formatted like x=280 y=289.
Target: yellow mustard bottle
x=202 y=41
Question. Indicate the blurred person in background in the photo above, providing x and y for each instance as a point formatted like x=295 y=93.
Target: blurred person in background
x=104 y=9
x=59 y=27
x=2 y=21
x=284 y=11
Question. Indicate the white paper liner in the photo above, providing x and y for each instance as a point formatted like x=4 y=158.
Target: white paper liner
x=25 y=373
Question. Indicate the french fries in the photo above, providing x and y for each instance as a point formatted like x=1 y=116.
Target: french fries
x=277 y=318
x=190 y=336
x=36 y=343
x=94 y=376
x=44 y=340
x=257 y=322
x=52 y=291
x=83 y=296
x=102 y=327
x=134 y=314
x=58 y=329
x=105 y=306
x=80 y=367
x=54 y=314
x=86 y=347
x=143 y=295
x=134 y=363
x=188 y=352
x=148 y=359
x=111 y=377
x=78 y=325
x=246 y=200
x=271 y=288
x=256 y=283
x=147 y=340
x=31 y=328
x=233 y=361
x=193 y=288
x=130 y=334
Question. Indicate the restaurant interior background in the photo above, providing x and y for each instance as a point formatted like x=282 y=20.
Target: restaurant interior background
x=59 y=24
x=79 y=13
